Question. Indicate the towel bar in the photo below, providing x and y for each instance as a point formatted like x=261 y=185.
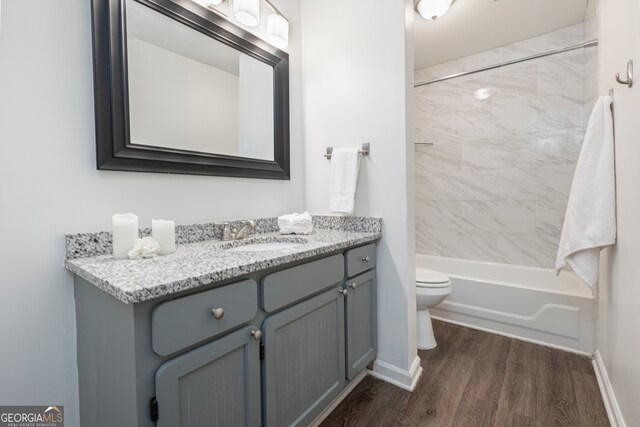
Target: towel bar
x=364 y=151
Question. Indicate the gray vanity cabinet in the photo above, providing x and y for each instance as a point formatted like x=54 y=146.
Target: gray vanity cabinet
x=273 y=348
x=304 y=359
x=361 y=327
x=217 y=384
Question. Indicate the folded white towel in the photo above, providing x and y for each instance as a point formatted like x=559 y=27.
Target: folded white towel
x=345 y=166
x=590 y=222
x=295 y=218
x=296 y=223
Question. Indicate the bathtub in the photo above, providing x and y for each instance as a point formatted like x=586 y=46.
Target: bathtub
x=527 y=303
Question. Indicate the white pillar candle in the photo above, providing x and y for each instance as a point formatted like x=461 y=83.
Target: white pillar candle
x=164 y=232
x=125 y=234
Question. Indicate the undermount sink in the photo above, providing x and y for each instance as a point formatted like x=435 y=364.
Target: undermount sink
x=266 y=246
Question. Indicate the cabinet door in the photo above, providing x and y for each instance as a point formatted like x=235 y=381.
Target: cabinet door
x=303 y=359
x=361 y=322
x=217 y=384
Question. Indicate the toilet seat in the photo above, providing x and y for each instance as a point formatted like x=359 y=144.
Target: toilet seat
x=431 y=279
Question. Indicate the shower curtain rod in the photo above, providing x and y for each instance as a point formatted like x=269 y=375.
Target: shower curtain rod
x=590 y=43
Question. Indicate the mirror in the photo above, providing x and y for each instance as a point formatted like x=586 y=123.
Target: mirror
x=179 y=89
x=190 y=92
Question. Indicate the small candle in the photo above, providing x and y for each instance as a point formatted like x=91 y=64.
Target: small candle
x=125 y=234
x=164 y=232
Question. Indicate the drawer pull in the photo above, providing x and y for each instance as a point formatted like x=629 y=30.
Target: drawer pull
x=365 y=259
x=342 y=292
x=353 y=285
x=256 y=334
x=217 y=313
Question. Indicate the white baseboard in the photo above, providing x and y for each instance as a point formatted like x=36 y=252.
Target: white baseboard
x=406 y=380
x=517 y=337
x=339 y=398
x=608 y=396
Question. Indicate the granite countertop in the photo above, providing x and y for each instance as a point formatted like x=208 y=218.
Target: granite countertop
x=201 y=263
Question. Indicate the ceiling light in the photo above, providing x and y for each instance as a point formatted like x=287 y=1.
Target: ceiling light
x=247 y=12
x=433 y=9
x=277 y=30
x=211 y=3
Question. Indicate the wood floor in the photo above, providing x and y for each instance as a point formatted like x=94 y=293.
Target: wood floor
x=478 y=379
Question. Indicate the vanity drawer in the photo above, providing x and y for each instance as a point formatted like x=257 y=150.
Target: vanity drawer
x=188 y=320
x=288 y=286
x=360 y=259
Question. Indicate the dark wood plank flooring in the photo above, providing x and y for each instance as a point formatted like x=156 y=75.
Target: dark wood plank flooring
x=478 y=379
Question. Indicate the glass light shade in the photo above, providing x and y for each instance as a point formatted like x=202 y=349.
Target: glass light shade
x=433 y=9
x=277 y=30
x=247 y=12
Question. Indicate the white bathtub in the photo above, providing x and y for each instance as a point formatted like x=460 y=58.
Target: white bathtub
x=524 y=302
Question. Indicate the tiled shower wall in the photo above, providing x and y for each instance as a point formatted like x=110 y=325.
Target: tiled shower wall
x=494 y=185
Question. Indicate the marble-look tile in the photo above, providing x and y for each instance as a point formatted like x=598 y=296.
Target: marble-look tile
x=542 y=114
x=459 y=185
x=591 y=30
x=558 y=148
x=549 y=216
x=443 y=97
x=472 y=124
x=500 y=153
x=466 y=244
x=442 y=155
x=535 y=183
x=495 y=184
x=438 y=214
x=513 y=216
x=562 y=75
x=500 y=86
x=538 y=250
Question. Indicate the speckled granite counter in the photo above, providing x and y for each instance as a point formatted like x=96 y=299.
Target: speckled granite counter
x=198 y=262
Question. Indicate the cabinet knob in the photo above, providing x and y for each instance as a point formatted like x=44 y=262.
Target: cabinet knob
x=342 y=292
x=353 y=285
x=256 y=334
x=365 y=259
x=217 y=313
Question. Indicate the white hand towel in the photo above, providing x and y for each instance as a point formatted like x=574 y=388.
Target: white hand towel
x=296 y=223
x=295 y=218
x=345 y=166
x=590 y=222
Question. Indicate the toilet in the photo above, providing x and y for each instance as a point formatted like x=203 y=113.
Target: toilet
x=431 y=289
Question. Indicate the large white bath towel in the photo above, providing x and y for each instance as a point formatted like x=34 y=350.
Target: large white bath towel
x=345 y=166
x=590 y=222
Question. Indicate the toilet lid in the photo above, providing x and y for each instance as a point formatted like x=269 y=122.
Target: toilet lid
x=431 y=279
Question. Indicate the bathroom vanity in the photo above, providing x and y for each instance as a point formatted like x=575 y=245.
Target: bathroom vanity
x=218 y=335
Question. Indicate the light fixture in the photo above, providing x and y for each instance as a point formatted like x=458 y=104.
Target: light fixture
x=277 y=30
x=247 y=12
x=433 y=9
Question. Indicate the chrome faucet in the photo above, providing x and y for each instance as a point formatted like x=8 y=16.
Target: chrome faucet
x=242 y=232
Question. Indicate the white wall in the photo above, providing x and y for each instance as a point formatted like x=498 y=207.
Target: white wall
x=619 y=287
x=49 y=186
x=357 y=82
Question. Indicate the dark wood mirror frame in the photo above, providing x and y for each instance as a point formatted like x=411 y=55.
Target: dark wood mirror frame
x=113 y=144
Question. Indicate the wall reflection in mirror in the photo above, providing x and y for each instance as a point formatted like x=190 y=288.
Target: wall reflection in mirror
x=190 y=92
